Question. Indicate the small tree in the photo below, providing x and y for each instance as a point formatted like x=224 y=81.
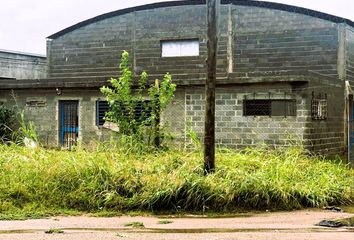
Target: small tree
x=126 y=98
x=7 y=123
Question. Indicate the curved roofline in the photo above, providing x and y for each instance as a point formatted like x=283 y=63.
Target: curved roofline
x=270 y=5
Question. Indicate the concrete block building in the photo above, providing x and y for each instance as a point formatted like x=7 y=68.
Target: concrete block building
x=283 y=73
x=19 y=65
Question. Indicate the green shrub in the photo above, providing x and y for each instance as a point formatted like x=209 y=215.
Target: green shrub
x=7 y=123
x=126 y=98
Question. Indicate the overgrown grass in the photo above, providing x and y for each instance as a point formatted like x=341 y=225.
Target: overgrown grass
x=116 y=180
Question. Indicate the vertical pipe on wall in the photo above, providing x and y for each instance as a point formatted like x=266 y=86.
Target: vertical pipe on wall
x=134 y=45
x=341 y=64
x=230 y=41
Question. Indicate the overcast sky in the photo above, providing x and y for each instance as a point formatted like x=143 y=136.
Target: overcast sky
x=24 y=24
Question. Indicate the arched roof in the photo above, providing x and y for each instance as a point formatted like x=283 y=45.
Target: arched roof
x=270 y=5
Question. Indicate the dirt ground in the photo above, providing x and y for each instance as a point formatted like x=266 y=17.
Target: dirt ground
x=294 y=225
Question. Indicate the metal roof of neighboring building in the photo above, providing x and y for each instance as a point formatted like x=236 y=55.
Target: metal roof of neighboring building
x=270 y=5
x=22 y=53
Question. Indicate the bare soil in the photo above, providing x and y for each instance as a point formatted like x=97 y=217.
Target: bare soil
x=294 y=225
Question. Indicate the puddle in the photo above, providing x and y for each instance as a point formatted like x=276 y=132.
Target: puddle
x=233 y=230
x=179 y=231
x=208 y=230
x=211 y=216
x=200 y=230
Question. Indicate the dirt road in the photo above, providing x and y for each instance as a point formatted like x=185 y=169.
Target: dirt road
x=273 y=226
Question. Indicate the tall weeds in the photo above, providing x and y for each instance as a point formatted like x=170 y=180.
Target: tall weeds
x=116 y=179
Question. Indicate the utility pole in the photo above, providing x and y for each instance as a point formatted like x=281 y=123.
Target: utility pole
x=209 y=130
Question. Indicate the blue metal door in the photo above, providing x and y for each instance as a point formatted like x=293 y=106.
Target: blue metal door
x=69 y=123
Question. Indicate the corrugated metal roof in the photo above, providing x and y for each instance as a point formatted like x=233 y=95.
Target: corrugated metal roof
x=22 y=53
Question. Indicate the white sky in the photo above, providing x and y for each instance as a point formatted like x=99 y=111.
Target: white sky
x=25 y=24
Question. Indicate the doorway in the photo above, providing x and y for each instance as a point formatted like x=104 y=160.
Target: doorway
x=69 y=123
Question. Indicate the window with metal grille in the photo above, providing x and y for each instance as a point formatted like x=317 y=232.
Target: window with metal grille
x=142 y=111
x=101 y=108
x=269 y=107
x=319 y=107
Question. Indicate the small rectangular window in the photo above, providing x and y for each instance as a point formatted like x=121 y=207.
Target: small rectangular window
x=257 y=107
x=101 y=108
x=269 y=107
x=180 y=48
x=142 y=111
x=319 y=109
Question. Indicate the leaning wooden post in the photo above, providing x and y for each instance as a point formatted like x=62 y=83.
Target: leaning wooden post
x=209 y=130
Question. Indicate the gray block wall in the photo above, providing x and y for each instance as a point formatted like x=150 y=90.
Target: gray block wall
x=327 y=136
x=16 y=65
x=262 y=52
x=234 y=129
x=269 y=42
x=350 y=55
x=46 y=116
x=264 y=42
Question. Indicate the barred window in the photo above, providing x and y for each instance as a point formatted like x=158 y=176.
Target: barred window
x=269 y=107
x=319 y=107
x=142 y=111
x=101 y=108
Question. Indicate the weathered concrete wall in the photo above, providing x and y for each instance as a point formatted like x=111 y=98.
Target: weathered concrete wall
x=95 y=50
x=262 y=52
x=22 y=66
x=46 y=117
x=234 y=129
x=350 y=55
x=270 y=42
x=186 y=112
x=327 y=136
x=261 y=42
x=174 y=117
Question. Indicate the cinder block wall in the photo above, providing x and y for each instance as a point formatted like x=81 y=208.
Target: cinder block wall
x=350 y=55
x=264 y=42
x=233 y=129
x=46 y=117
x=22 y=66
x=270 y=42
x=266 y=46
x=327 y=136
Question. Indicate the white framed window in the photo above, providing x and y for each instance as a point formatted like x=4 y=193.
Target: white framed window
x=180 y=48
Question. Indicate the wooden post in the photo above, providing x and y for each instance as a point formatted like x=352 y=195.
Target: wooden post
x=157 y=115
x=157 y=122
x=209 y=130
